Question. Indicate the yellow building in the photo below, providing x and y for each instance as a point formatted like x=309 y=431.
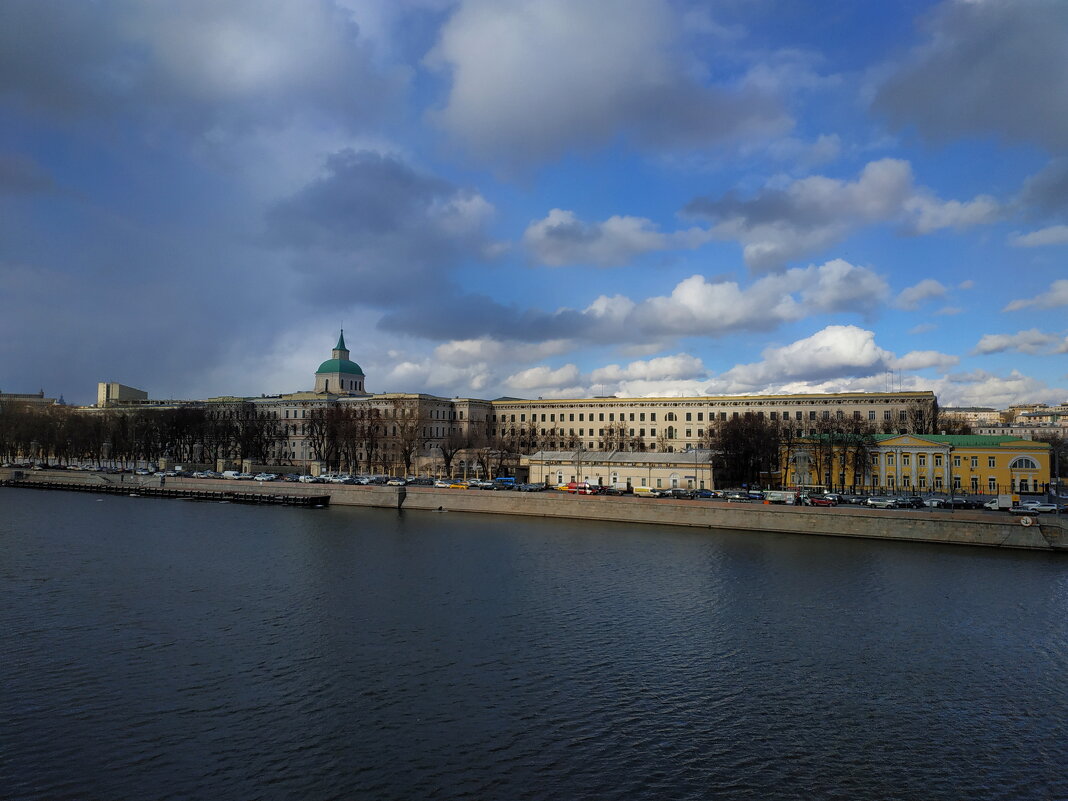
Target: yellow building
x=922 y=463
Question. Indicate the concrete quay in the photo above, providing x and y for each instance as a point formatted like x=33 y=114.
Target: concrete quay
x=1047 y=532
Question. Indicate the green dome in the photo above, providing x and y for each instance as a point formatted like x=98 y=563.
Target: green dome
x=339 y=366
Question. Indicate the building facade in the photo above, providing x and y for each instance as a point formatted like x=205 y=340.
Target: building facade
x=910 y=463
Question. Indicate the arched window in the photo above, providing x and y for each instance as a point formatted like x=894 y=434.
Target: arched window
x=1023 y=463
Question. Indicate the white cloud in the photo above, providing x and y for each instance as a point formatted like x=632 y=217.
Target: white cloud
x=923 y=359
x=487 y=351
x=1030 y=341
x=781 y=224
x=543 y=378
x=1056 y=295
x=561 y=238
x=911 y=297
x=927 y=214
x=533 y=80
x=835 y=351
x=1053 y=235
x=679 y=366
x=696 y=306
x=923 y=328
x=968 y=284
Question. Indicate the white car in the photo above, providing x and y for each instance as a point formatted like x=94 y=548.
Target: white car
x=442 y=483
x=306 y=479
x=266 y=477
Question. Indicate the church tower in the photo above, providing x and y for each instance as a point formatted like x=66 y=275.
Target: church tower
x=339 y=375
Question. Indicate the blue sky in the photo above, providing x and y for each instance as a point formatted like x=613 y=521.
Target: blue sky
x=548 y=199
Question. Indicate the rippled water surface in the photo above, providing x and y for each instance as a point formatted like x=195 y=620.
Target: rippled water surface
x=154 y=649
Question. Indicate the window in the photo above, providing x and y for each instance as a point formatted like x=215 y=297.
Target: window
x=571 y=418
x=689 y=417
x=700 y=432
x=975 y=483
x=871 y=414
x=921 y=459
x=886 y=414
x=641 y=416
x=889 y=458
x=991 y=461
x=1023 y=463
x=774 y=415
x=938 y=460
x=956 y=461
x=797 y=416
x=856 y=415
x=906 y=459
x=902 y=416
x=956 y=482
x=641 y=432
x=632 y=417
x=992 y=484
x=923 y=481
x=652 y=432
x=811 y=415
x=701 y=417
x=600 y=417
x=652 y=417
x=975 y=462
x=875 y=459
x=938 y=483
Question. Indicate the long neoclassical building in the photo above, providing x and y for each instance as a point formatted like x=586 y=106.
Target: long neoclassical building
x=382 y=429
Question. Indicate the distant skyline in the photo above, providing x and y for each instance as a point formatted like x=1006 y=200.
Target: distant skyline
x=547 y=198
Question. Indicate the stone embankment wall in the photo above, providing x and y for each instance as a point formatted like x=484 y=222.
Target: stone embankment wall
x=959 y=527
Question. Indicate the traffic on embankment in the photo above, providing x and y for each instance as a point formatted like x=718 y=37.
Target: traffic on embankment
x=1046 y=532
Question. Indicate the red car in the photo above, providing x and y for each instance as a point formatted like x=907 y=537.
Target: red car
x=818 y=500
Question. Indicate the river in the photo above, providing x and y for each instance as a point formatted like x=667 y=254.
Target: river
x=163 y=649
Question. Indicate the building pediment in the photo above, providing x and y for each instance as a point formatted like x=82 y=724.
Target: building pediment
x=908 y=441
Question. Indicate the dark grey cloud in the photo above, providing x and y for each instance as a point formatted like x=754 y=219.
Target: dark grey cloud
x=533 y=81
x=373 y=230
x=21 y=175
x=1045 y=194
x=192 y=63
x=988 y=68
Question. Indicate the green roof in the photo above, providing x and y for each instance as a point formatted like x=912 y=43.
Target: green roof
x=339 y=366
x=963 y=439
x=341 y=341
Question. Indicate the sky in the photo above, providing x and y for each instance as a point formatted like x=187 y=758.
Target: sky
x=536 y=199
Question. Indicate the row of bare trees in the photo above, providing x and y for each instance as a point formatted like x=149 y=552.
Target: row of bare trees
x=61 y=435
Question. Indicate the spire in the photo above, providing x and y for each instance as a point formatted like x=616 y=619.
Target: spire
x=340 y=351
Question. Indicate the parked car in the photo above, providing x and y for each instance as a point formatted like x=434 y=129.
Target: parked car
x=265 y=476
x=1040 y=507
x=911 y=502
x=679 y=493
x=880 y=502
x=820 y=500
x=396 y=482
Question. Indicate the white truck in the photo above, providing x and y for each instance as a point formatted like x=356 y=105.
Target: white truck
x=1002 y=503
